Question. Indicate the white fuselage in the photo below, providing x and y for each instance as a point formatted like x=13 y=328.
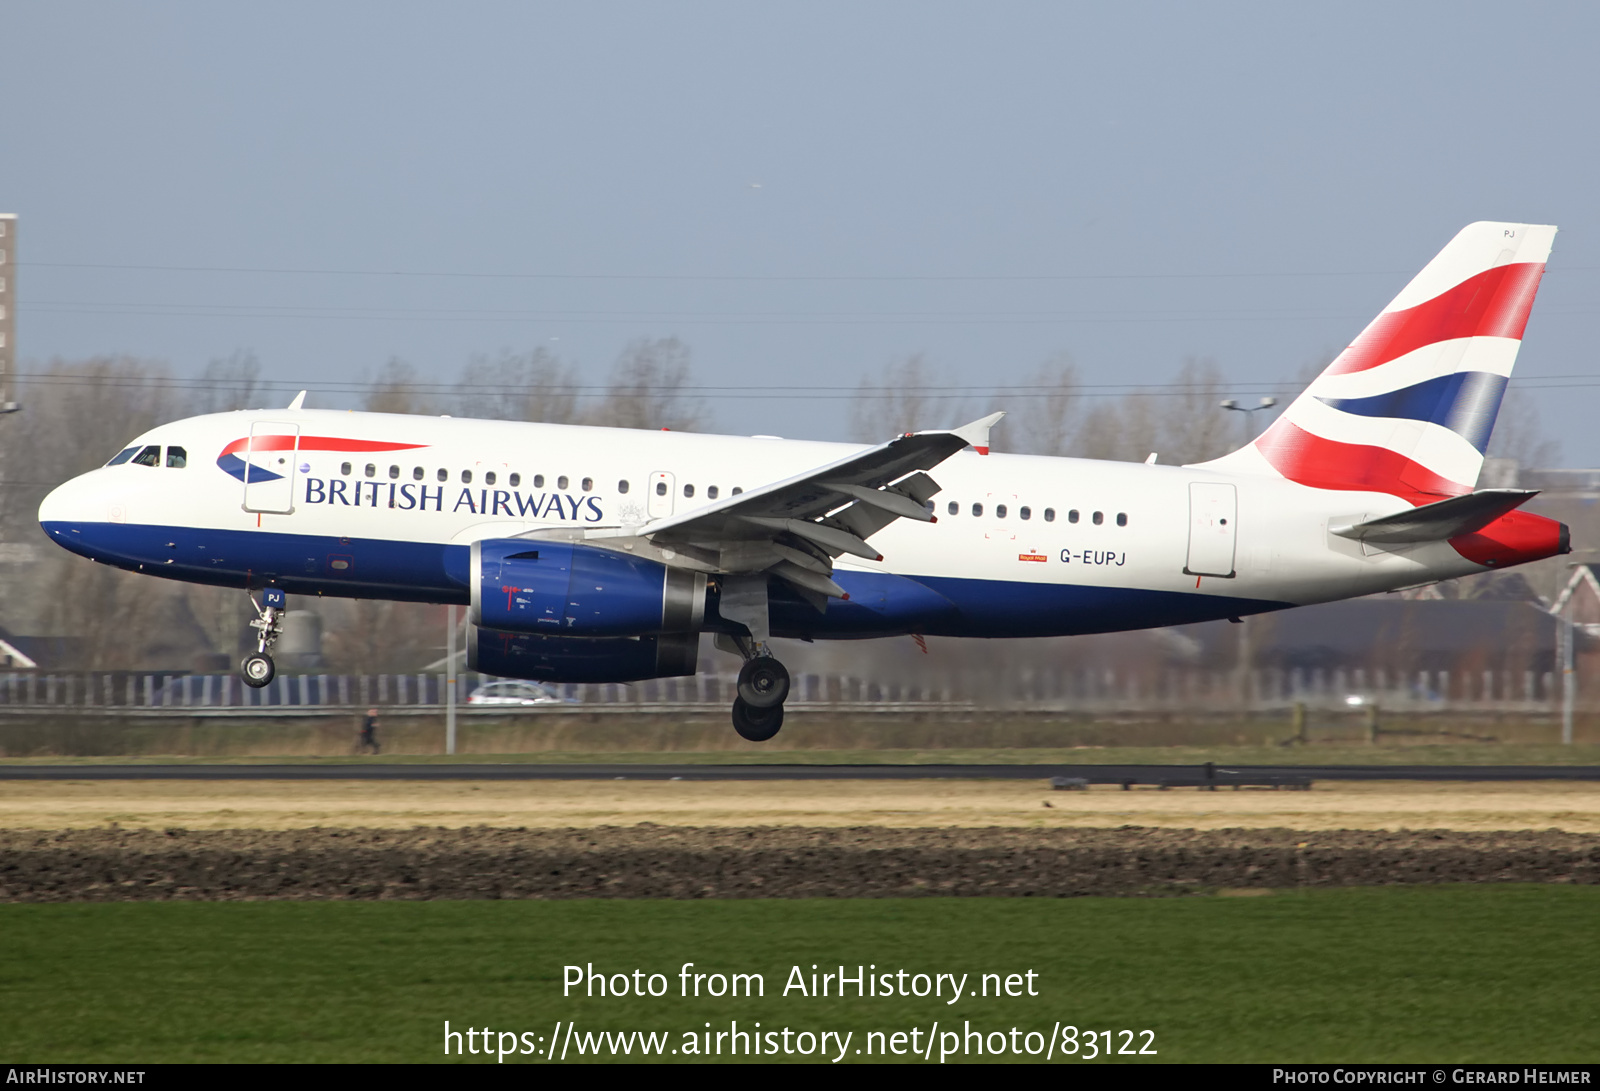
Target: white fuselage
x=370 y=505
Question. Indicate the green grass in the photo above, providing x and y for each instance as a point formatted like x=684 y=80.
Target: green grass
x=1423 y=974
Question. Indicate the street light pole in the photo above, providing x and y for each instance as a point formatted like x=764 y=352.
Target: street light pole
x=1266 y=403
x=450 y=682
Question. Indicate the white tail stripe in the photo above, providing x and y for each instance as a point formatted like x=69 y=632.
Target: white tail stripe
x=1439 y=449
x=1494 y=355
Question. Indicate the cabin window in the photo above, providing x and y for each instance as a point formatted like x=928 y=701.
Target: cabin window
x=588 y=484
x=954 y=509
x=466 y=477
x=661 y=488
x=1025 y=513
x=1099 y=517
x=394 y=473
x=561 y=482
x=688 y=490
x=977 y=509
x=344 y=468
x=1049 y=515
x=622 y=486
x=711 y=492
x=516 y=479
x=1122 y=518
x=150 y=456
x=444 y=475
x=177 y=458
x=123 y=456
x=372 y=471
x=417 y=474
x=538 y=481
x=488 y=478
x=1072 y=516
x=999 y=511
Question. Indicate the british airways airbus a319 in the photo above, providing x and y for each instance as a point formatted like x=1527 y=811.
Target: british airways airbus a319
x=601 y=554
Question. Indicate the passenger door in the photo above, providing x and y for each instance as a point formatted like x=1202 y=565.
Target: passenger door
x=1213 y=529
x=269 y=463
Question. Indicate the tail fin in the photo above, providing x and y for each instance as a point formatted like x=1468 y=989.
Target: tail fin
x=1407 y=408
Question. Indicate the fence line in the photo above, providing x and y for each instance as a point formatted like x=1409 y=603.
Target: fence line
x=1087 y=690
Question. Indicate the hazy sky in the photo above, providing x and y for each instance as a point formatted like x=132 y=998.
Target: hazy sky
x=802 y=192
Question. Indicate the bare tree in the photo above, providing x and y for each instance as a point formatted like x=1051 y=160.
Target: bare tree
x=1182 y=421
x=526 y=386
x=909 y=395
x=1044 y=418
x=649 y=389
x=397 y=388
x=77 y=415
x=229 y=382
x=1519 y=434
x=369 y=636
x=1191 y=422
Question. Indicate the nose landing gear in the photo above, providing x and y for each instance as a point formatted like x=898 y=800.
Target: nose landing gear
x=258 y=668
x=763 y=686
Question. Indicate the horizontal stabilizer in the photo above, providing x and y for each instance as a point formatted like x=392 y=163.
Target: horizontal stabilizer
x=1440 y=521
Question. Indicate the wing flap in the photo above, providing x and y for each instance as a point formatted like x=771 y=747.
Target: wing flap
x=792 y=529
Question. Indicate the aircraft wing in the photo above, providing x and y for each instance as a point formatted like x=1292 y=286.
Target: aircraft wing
x=796 y=527
x=1438 y=521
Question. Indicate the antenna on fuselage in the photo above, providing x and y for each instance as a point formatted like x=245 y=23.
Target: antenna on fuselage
x=299 y=401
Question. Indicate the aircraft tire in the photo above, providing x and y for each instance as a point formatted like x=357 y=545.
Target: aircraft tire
x=258 y=670
x=756 y=724
x=763 y=682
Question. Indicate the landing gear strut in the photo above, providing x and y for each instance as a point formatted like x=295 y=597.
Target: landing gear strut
x=763 y=686
x=258 y=668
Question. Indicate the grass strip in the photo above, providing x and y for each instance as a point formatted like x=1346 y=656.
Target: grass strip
x=1432 y=974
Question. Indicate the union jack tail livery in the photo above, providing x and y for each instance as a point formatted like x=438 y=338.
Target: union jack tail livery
x=1407 y=408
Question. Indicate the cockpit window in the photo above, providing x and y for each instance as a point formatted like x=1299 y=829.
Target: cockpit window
x=150 y=456
x=123 y=456
x=177 y=458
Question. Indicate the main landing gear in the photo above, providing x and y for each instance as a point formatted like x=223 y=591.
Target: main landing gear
x=763 y=686
x=258 y=668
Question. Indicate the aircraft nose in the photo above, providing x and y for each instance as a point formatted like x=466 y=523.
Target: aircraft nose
x=71 y=504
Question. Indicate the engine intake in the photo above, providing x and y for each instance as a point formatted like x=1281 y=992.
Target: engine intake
x=525 y=585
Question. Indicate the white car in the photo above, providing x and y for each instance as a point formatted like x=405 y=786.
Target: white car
x=514 y=693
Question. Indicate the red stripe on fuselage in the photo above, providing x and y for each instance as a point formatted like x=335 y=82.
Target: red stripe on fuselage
x=1328 y=464
x=1495 y=303
x=315 y=443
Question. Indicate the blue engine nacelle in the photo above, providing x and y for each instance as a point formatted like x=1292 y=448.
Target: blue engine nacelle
x=579 y=659
x=528 y=585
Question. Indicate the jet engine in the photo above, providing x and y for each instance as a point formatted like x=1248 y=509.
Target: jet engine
x=525 y=585
x=568 y=612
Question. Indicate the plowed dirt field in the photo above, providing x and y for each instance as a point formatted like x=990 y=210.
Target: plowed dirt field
x=67 y=841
